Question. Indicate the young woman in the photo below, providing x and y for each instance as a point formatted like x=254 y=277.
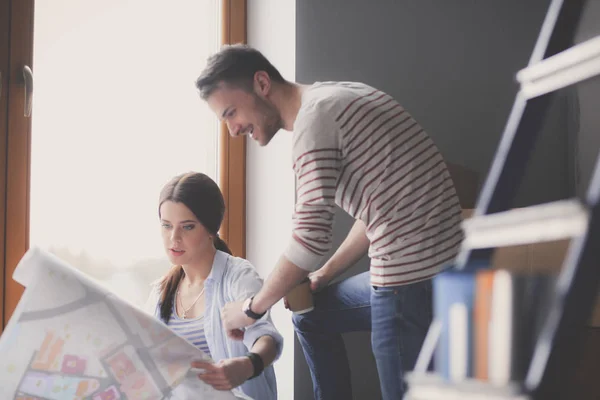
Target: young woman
x=205 y=277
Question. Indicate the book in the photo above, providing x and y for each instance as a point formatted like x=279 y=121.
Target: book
x=453 y=307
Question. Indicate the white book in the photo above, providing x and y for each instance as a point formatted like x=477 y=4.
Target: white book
x=501 y=329
x=459 y=342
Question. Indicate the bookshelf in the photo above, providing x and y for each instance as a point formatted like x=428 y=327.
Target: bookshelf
x=554 y=64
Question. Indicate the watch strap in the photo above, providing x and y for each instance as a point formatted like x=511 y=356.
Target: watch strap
x=248 y=311
x=257 y=363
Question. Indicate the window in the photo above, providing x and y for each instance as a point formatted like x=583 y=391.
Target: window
x=115 y=115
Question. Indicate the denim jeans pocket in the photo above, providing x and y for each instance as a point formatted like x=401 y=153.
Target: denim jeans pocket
x=385 y=290
x=414 y=298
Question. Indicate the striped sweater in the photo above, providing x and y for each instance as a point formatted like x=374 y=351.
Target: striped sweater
x=356 y=147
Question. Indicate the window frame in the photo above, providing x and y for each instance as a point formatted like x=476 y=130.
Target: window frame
x=18 y=151
x=232 y=152
x=4 y=68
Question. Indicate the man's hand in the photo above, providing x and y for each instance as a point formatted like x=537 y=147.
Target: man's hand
x=234 y=319
x=226 y=374
x=318 y=280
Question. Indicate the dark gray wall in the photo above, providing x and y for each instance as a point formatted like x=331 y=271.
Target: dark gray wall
x=587 y=139
x=452 y=64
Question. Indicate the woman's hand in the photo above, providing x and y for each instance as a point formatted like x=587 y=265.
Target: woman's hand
x=226 y=374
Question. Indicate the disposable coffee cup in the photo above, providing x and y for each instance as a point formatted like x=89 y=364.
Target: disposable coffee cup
x=300 y=298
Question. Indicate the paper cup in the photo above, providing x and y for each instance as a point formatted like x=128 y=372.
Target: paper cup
x=300 y=298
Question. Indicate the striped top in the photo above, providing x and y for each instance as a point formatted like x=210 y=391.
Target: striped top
x=356 y=147
x=191 y=330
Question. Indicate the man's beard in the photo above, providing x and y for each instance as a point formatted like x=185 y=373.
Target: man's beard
x=271 y=119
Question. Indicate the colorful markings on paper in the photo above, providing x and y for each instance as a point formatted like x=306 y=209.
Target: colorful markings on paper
x=56 y=387
x=135 y=384
x=110 y=393
x=55 y=374
x=99 y=370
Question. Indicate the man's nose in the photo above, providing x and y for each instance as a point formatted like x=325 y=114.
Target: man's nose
x=234 y=129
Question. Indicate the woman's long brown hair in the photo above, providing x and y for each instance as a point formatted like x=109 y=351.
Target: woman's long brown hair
x=203 y=197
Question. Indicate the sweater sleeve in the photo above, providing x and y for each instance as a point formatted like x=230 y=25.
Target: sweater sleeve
x=317 y=164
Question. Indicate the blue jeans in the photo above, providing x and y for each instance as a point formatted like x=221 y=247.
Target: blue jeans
x=398 y=318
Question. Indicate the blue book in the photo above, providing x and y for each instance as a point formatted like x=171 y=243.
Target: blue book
x=453 y=294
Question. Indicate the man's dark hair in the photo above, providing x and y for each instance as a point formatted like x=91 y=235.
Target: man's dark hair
x=234 y=65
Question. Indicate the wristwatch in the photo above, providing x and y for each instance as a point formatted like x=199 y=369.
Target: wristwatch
x=247 y=308
x=257 y=364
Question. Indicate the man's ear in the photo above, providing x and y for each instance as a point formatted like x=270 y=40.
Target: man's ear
x=262 y=83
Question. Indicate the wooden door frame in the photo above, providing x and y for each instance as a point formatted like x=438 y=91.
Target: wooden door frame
x=16 y=51
x=232 y=157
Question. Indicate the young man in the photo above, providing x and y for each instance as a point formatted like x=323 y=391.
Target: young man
x=356 y=147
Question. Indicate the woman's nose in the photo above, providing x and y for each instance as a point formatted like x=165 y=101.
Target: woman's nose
x=175 y=235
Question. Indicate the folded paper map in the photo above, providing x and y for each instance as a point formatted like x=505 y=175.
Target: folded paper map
x=71 y=338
